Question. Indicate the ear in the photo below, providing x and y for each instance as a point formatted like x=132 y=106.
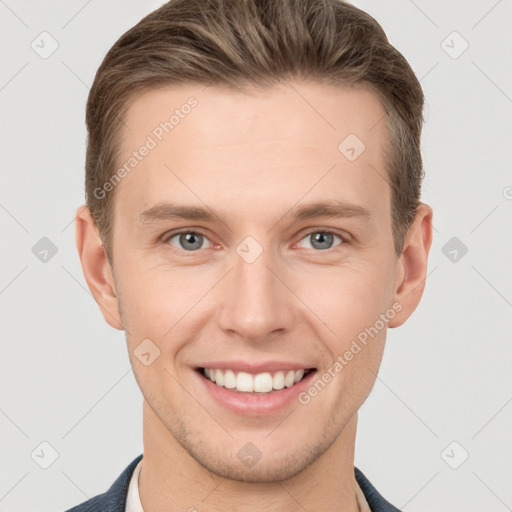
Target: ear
x=96 y=267
x=412 y=265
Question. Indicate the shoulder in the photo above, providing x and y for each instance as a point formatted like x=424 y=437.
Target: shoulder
x=375 y=500
x=113 y=500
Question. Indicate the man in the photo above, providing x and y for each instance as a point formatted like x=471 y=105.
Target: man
x=253 y=223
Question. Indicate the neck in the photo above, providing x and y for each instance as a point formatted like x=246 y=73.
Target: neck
x=172 y=480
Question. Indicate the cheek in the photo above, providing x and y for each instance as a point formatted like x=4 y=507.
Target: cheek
x=349 y=298
x=351 y=303
x=148 y=292
x=159 y=302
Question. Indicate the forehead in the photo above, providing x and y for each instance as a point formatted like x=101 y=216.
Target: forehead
x=226 y=145
x=289 y=111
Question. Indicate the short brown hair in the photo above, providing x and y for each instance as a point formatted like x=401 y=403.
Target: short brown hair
x=258 y=43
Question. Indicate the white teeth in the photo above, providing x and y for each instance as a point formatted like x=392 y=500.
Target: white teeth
x=219 y=377
x=261 y=383
x=278 y=380
x=289 y=379
x=229 y=379
x=244 y=382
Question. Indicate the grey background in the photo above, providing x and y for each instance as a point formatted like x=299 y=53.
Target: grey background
x=65 y=374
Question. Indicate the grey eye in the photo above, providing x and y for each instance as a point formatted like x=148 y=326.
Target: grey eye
x=321 y=240
x=188 y=240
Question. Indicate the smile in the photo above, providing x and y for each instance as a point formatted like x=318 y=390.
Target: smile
x=264 y=383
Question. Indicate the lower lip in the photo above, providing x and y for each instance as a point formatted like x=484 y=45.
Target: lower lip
x=252 y=404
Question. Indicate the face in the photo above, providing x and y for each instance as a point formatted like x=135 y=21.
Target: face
x=253 y=237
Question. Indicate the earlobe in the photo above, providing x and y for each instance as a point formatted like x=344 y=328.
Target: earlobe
x=412 y=271
x=96 y=268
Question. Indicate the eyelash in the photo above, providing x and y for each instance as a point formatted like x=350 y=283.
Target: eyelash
x=169 y=236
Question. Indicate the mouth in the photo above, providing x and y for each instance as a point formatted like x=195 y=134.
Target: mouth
x=264 y=383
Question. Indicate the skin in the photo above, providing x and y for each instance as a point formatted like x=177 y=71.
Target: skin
x=251 y=158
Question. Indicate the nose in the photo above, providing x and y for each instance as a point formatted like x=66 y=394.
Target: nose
x=256 y=302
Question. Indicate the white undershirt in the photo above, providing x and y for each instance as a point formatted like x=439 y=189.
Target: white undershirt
x=133 y=503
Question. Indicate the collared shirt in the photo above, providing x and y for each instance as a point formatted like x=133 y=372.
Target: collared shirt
x=123 y=494
x=133 y=503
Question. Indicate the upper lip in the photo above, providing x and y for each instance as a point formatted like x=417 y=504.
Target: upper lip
x=242 y=366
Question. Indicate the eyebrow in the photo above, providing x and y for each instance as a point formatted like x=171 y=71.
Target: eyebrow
x=332 y=209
